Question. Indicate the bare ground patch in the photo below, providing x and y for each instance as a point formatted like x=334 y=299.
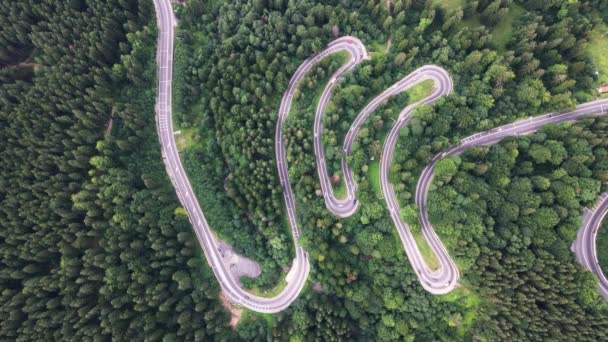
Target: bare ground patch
x=235 y=312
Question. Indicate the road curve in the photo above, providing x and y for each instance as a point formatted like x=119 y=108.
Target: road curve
x=584 y=246
x=445 y=278
x=296 y=277
x=357 y=53
x=347 y=206
x=521 y=127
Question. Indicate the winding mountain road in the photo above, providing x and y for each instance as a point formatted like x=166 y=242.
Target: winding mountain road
x=439 y=281
x=346 y=207
x=445 y=277
x=357 y=53
x=298 y=273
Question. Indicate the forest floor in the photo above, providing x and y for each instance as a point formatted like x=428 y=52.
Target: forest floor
x=28 y=62
x=24 y=65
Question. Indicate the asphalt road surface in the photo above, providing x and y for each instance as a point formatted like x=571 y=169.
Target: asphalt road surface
x=439 y=281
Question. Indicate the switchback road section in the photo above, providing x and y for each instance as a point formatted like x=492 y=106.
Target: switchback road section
x=439 y=281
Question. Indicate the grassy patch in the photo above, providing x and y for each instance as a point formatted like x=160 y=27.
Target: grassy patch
x=467 y=300
x=306 y=102
x=180 y=65
x=374 y=178
x=502 y=33
x=340 y=189
x=414 y=94
x=204 y=164
x=376 y=48
x=471 y=22
x=184 y=106
x=305 y=99
x=598 y=50
x=427 y=254
x=304 y=106
x=269 y=293
x=398 y=102
x=394 y=105
x=420 y=91
x=187 y=139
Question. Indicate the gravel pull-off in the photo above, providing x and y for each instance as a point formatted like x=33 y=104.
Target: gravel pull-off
x=239 y=265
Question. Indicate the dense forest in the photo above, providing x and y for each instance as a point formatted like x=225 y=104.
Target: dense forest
x=94 y=245
x=91 y=244
x=513 y=210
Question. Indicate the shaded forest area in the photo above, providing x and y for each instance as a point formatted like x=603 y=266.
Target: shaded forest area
x=91 y=244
